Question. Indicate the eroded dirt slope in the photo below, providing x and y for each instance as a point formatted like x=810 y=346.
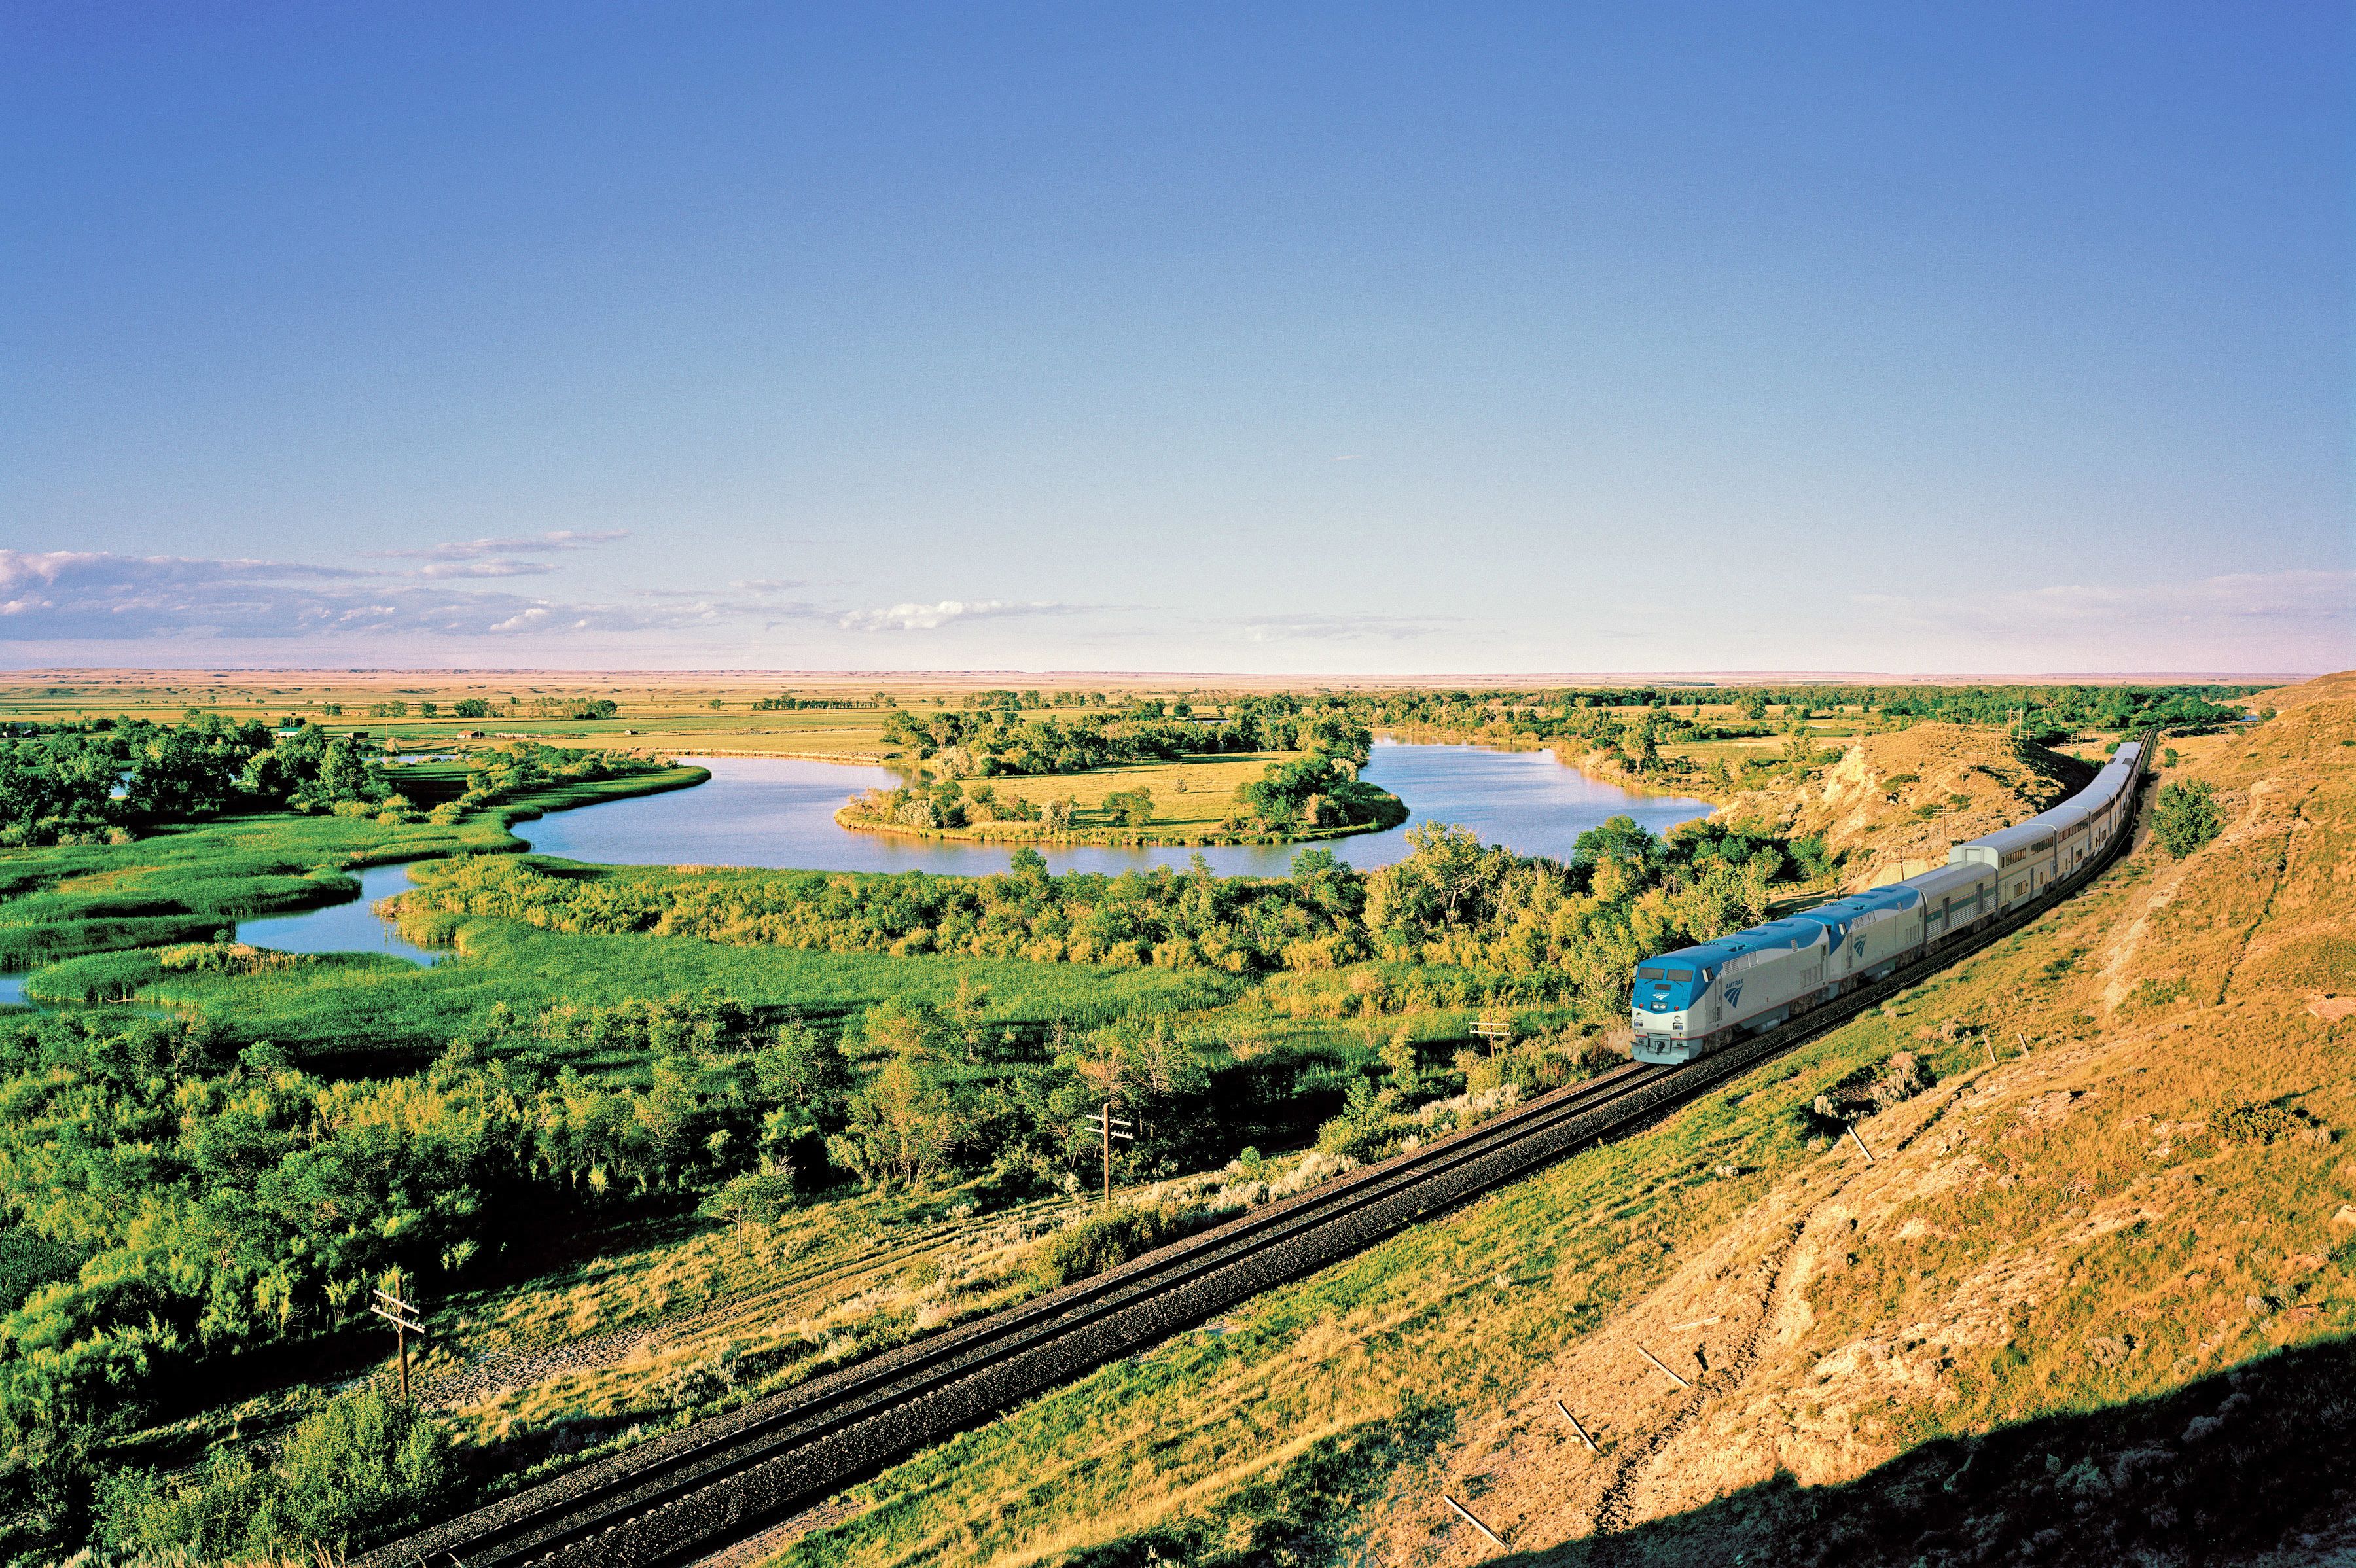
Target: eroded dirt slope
x=1896 y=803
x=2094 y=1300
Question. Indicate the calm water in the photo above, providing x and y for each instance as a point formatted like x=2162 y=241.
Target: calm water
x=342 y=927
x=779 y=812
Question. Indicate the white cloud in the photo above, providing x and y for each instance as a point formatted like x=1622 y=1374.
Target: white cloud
x=476 y=549
x=490 y=568
x=933 y=616
x=77 y=595
x=1314 y=626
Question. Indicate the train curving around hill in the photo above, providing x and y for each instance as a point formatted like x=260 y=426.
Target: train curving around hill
x=1696 y=1000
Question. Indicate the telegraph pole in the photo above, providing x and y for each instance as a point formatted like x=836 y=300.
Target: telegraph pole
x=402 y=1315
x=1109 y=1126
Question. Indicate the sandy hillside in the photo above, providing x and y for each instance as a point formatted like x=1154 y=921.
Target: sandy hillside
x=2094 y=1302
x=1895 y=803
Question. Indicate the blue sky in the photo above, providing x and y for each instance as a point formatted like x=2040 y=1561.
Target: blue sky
x=1354 y=339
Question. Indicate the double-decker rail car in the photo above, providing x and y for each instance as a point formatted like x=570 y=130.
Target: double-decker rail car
x=1695 y=1000
x=1957 y=898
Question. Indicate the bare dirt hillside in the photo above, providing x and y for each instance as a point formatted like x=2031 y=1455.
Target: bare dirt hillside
x=2094 y=1301
x=1895 y=803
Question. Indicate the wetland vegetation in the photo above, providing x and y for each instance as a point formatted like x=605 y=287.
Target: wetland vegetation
x=725 y=1077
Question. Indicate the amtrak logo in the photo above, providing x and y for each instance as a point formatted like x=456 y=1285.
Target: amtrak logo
x=1857 y=948
x=1733 y=991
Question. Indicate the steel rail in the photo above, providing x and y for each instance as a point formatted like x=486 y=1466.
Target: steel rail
x=716 y=1480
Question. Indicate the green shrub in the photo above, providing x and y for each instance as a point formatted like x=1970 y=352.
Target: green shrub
x=362 y=1467
x=1109 y=1240
x=2185 y=817
x=98 y=977
x=2262 y=1124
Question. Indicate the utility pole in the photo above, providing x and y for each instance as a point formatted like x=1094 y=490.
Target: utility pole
x=403 y=1316
x=1109 y=1126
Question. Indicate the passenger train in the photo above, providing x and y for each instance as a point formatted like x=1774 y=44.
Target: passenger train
x=1696 y=1000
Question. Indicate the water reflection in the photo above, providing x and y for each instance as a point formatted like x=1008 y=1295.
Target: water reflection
x=779 y=812
x=342 y=927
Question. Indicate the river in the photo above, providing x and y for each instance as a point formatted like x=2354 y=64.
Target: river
x=779 y=812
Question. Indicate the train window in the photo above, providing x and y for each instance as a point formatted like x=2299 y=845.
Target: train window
x=1681 y=974
x=1651 y=972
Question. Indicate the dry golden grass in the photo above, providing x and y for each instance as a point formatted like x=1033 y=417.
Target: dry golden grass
x=2096 y=1223
x=1191 y=798
x=2064 y=1229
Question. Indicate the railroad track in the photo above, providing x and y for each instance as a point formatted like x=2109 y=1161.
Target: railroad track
x=689 y=1491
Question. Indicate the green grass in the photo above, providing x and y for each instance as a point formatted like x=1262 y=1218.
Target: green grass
x=190 y=883
x=380 y=1006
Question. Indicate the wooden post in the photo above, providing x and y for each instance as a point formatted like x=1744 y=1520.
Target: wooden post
x=402 y=1312
x=1108 y=1127
x=1991 y=1049
x=1467 y=1514
x=1860 y=1144
x=1575 y=1426
x=1663 y=1367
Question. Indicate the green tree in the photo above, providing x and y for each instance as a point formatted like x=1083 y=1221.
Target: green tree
x=363 y=1468
x=903 y=1121
x=1132 y=807
x=2186 y=816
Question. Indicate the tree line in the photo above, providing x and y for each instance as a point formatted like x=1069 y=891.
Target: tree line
x=101 y=783
x=991 y=742
x=1536 y=926
x=86 y=786
x=2045 y=714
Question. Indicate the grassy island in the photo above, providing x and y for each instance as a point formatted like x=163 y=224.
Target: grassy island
x=1251 y=798
x=1267 y=771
